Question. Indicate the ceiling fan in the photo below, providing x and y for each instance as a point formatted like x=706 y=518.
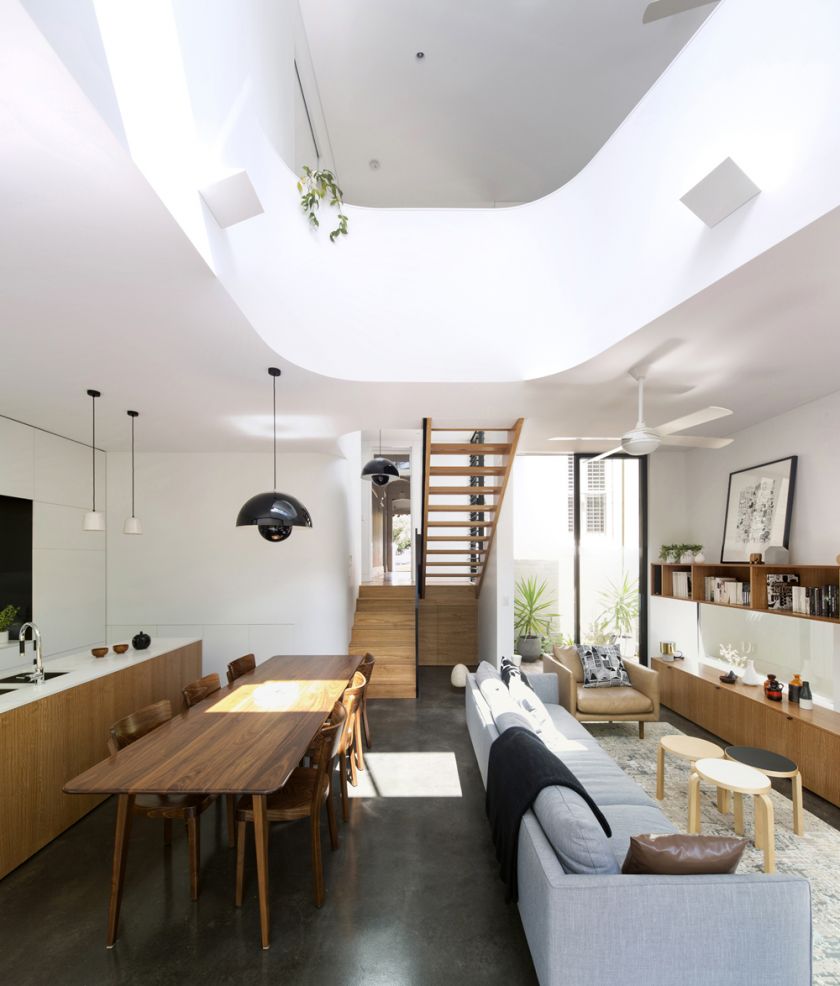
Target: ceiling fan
x=642 y=439
x=658 y=9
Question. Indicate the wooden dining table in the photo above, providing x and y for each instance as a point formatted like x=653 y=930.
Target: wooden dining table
x=246 y=738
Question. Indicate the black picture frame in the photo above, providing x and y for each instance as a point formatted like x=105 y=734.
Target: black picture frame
x=737 y=547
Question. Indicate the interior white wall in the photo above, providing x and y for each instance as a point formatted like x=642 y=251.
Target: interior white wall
x=68 y=564
x=194 y=572
x=351 y=448
x=700 y=481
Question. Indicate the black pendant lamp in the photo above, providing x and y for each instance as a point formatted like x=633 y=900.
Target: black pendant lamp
x=380 y=471
x=132 y=524
x=94 y=520
x=274 y=514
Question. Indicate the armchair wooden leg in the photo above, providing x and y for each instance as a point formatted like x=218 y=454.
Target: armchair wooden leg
x=641 y=729
x=241 y=839
x=194 y=835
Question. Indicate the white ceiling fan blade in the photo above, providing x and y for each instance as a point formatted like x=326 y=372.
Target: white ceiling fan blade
x=696 y=441
x=692 y=420
x=585 y=438
x=667 y=8
x=605 y=455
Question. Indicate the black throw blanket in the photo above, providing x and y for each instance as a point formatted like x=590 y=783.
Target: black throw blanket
x=520 y=766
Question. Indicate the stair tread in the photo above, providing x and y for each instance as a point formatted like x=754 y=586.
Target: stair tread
x=469 y=448
x=464 y=490
x=461 y=523
x=466 y=470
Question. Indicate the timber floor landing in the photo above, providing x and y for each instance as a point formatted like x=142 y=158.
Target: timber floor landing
x=413 y=894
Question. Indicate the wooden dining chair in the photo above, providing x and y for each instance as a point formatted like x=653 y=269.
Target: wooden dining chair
x=366 y=667
x=193 y=693
x=304 y=795
x=351 y=700
x=187 y=807
x=242 y=665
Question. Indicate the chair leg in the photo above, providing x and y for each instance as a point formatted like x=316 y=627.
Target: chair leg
x=230 y=807
x=167 y=831
x=357 y=742
x=194 y=834
x=331 y=819
x=345 y=797
x=354 y=777
x=241 y=839
x=738 y=811
x=798 y=820
x=764 y=809
x=317 y=865
x=694 y=803
x=368 y=740
x=641 y=729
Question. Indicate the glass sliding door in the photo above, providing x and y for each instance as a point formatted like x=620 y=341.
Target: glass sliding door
x=610 y=564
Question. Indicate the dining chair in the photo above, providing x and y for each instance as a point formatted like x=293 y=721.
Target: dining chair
x=193 y=693
x=187 y=807
x=304 y=795
x=351 y=700
x=366 y=667
x=242 y=665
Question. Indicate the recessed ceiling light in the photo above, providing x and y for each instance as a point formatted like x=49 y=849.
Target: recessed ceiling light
x=420 y=56
x=374 y=164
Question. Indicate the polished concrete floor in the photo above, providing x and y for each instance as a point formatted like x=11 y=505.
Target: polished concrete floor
x=413 y=894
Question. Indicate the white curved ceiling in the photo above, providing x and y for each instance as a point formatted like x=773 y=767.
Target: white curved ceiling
x=510 y=101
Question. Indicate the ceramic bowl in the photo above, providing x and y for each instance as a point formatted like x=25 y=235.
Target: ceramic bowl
x=120 y=648
x=99 y=651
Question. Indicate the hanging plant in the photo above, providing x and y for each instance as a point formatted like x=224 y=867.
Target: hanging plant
x=314 y=187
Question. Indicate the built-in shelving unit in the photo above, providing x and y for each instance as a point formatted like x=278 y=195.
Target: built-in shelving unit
x=810 y=576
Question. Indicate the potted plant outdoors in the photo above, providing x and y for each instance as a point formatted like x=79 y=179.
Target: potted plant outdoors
x=531 y=617
x=621 y=609
x=8 y=615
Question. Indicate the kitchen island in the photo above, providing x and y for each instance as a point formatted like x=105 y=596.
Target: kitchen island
x=54 y=730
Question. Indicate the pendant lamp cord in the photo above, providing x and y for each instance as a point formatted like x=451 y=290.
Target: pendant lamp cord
x=274 y=414
x=132 y=467
x=93 y=447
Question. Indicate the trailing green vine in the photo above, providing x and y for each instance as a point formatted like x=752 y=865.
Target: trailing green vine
x=314 y=186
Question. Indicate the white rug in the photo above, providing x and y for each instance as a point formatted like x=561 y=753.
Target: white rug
x=815 y=855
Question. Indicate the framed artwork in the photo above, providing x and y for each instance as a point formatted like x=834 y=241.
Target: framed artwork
x=759 y=504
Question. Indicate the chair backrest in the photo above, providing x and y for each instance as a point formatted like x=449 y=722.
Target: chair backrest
x=351 y=700
x=366 y=666
x=569 y=657
x=138 y=724
x=242 y=665
x=325 y=748
x=197 y=691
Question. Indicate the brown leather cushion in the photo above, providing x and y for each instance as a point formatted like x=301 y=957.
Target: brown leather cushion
x=621 y=701
x=683 y=855
x=569 y=657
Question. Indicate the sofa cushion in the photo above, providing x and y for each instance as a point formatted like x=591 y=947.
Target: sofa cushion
x=567 y=724
x=574 y=833
x=486 y=671
x=569 y=657
x=623 y=701
x=507 y=720
x=683 y=855
x=629 y=820
x=605 y=781
x=497 y=697
x=602 y=666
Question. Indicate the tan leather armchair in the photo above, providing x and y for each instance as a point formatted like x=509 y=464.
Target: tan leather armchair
x=637 y=702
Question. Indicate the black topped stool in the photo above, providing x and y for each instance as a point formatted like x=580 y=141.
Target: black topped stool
x=772 y=765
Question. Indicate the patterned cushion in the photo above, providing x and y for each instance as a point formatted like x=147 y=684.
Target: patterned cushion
x=602 y=666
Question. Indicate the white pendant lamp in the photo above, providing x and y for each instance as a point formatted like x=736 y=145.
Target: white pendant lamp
x=94 y=519
x=132 y=525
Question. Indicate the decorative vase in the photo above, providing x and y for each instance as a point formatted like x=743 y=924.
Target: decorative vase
x=770 y=683
x=794 y=688
x=806 y=699
x=141 y=641
x=774 y=693
x=686 y=558
x=699 y=557
x=750 y=675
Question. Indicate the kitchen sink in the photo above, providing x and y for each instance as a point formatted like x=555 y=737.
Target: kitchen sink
x=6 y=691
x=24 y=678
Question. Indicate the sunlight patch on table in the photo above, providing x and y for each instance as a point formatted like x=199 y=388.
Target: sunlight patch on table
x=408 y=775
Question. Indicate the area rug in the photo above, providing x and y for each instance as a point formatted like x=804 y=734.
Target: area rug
x=815 y=855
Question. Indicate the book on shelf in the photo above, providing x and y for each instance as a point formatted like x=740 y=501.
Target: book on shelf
x=722 y=589
x=821 y=600
x=681 y=585
x=780 y=591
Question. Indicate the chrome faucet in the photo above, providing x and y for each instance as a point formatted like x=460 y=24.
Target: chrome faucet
x=38 y=673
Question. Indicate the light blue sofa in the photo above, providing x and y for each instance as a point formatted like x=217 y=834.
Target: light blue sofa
x=589 y=930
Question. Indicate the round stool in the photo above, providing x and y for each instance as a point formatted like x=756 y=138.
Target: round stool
x=773 y=765
x=739 y=780
x=685 y=747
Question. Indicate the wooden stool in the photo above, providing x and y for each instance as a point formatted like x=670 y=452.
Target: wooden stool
x=687 y=748
x=773 y=765
x=739 y=780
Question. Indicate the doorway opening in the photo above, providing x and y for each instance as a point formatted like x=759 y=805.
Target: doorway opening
x=391 y=524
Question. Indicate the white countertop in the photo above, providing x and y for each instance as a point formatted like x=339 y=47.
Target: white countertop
x=80 y=668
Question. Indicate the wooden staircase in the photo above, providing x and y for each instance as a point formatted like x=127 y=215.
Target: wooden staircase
x=465 y=478
x=384 y=625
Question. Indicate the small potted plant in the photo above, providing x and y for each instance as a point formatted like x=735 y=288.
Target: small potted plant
x=531 y=619
x=8 y=615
